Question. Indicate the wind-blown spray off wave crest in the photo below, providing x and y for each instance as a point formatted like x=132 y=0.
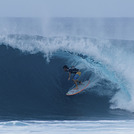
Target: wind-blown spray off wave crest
x=109 y=60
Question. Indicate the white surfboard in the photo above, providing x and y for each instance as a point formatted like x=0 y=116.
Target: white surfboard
x=81 y=87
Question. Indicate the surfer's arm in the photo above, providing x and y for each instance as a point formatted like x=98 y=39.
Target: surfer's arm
x=69 y=76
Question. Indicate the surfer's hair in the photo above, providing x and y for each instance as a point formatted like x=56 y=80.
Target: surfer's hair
x=66 y=67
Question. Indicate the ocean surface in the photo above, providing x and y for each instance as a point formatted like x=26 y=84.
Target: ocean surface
x=33 y=84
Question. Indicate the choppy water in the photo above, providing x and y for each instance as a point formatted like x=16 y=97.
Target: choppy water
x=68 y=127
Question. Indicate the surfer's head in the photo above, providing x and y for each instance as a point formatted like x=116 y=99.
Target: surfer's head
x=65 y=67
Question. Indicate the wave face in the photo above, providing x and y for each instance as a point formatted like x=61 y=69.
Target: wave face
x=32 y=81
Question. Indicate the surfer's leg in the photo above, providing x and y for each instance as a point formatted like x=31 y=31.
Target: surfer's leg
x=79 y=82
x=77 y=76
x=75 y=82
x=75 y=79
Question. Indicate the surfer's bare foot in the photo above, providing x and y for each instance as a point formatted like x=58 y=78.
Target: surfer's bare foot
x=76 y=88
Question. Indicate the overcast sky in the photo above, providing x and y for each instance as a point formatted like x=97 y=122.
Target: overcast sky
x=66 y=8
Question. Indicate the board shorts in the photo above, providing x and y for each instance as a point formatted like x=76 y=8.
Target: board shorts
x=77 y=75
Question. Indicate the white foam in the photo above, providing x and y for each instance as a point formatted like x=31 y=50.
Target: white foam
x=67 y=127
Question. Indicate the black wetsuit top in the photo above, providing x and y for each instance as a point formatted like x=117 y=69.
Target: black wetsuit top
x=73 y=70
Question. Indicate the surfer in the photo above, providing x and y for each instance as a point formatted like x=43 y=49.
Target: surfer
x=74 y=71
